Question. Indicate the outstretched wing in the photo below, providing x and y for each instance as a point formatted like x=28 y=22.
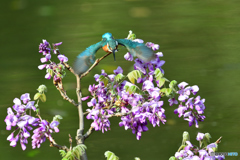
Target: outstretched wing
x=139 y=50
x=86 y=58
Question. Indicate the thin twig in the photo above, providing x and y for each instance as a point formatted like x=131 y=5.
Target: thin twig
x=219 y=140
x=65 y=63
x=65 y=96
x=54 y=144
x=119 y=114
x=70 y=142
x=94 y=65
x=86 y=135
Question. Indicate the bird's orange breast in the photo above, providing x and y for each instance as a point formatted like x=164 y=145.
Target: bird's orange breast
x=105 y=48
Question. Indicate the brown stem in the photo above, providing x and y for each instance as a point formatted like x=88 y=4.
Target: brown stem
x=219 y=140
x=89 y=132
x=94 y=65
x=54 y=144
x=80 y=131
x=65 y=96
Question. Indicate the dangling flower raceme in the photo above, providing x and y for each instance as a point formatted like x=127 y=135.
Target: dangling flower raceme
x=23 y=123
x=193 y=108
x=52 y=69
x=193 y=152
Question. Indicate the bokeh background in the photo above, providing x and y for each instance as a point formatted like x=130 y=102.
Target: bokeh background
x=200 y=43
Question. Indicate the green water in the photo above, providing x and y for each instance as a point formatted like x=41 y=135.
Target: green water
x=200 y=43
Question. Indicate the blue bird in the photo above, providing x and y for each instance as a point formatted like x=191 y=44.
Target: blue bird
x=109 y=44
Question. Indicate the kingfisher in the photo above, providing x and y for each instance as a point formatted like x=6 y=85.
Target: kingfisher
x=110 y=45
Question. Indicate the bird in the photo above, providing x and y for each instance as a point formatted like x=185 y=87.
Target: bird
x=110 y=45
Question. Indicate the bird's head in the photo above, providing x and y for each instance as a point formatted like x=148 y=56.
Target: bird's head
x=112 y=44
x=107 y=36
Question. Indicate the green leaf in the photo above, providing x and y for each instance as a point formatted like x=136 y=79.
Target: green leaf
x=172 y=158
x=57 y=118
x=132 y=89
x=119 y=77
x=43 y=97
x=62 y=153
x=37 y=96
x=134 y=75
x=104 y=80
x=161 y=82
x=166 y=79
x=159 y=77
x=208 y=136
x=168 y=91
x=69 y=155
x=50 y=71
x=186 y=137
x=42 y=88
x=158 y=73
x=79 y=150
x=172 y=84
x=110 y=155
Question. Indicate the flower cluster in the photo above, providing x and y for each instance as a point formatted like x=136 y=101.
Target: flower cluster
x=205 y=151
x=140 y=104
x=116 y=97
x=23 y=123
x=53 y=70
x=190 y=108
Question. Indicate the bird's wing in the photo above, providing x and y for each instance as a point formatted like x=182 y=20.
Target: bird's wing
x=138 y=49
x=86 y=58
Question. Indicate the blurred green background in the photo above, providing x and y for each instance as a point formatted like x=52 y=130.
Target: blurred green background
x=200 y=43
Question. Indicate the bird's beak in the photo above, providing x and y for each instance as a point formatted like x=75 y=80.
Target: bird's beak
x=114 y=54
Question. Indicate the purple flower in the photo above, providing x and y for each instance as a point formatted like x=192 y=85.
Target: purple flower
x=194 y=89
x=128 y=56
x=62 y=58
x=54 y=125
x=48 y=76
x=172 y=101
x=57 y=44
x=46 y=58
x=42 y=132
x=41 y=67
x=139 y=65
x=11 y=119
x=159 y=54
x=118 y=70
x=25 y=97
x=85 y=98
x=200 y=136
x=152 y=45
x=138 y=40
x=44 y=47
x=202 y=153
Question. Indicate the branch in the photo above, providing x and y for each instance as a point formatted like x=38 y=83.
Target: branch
x=119 y=114
x=219 y=140
x=94 y=65
x=64 y=63
x=64 y=94
x=54 y=144
x=79 y=137
x=86 y=135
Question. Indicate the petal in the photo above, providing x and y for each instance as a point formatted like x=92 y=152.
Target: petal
x=17 y=101
x=42 y=66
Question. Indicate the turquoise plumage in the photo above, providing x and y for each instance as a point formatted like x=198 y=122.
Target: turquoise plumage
x=109 y=44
